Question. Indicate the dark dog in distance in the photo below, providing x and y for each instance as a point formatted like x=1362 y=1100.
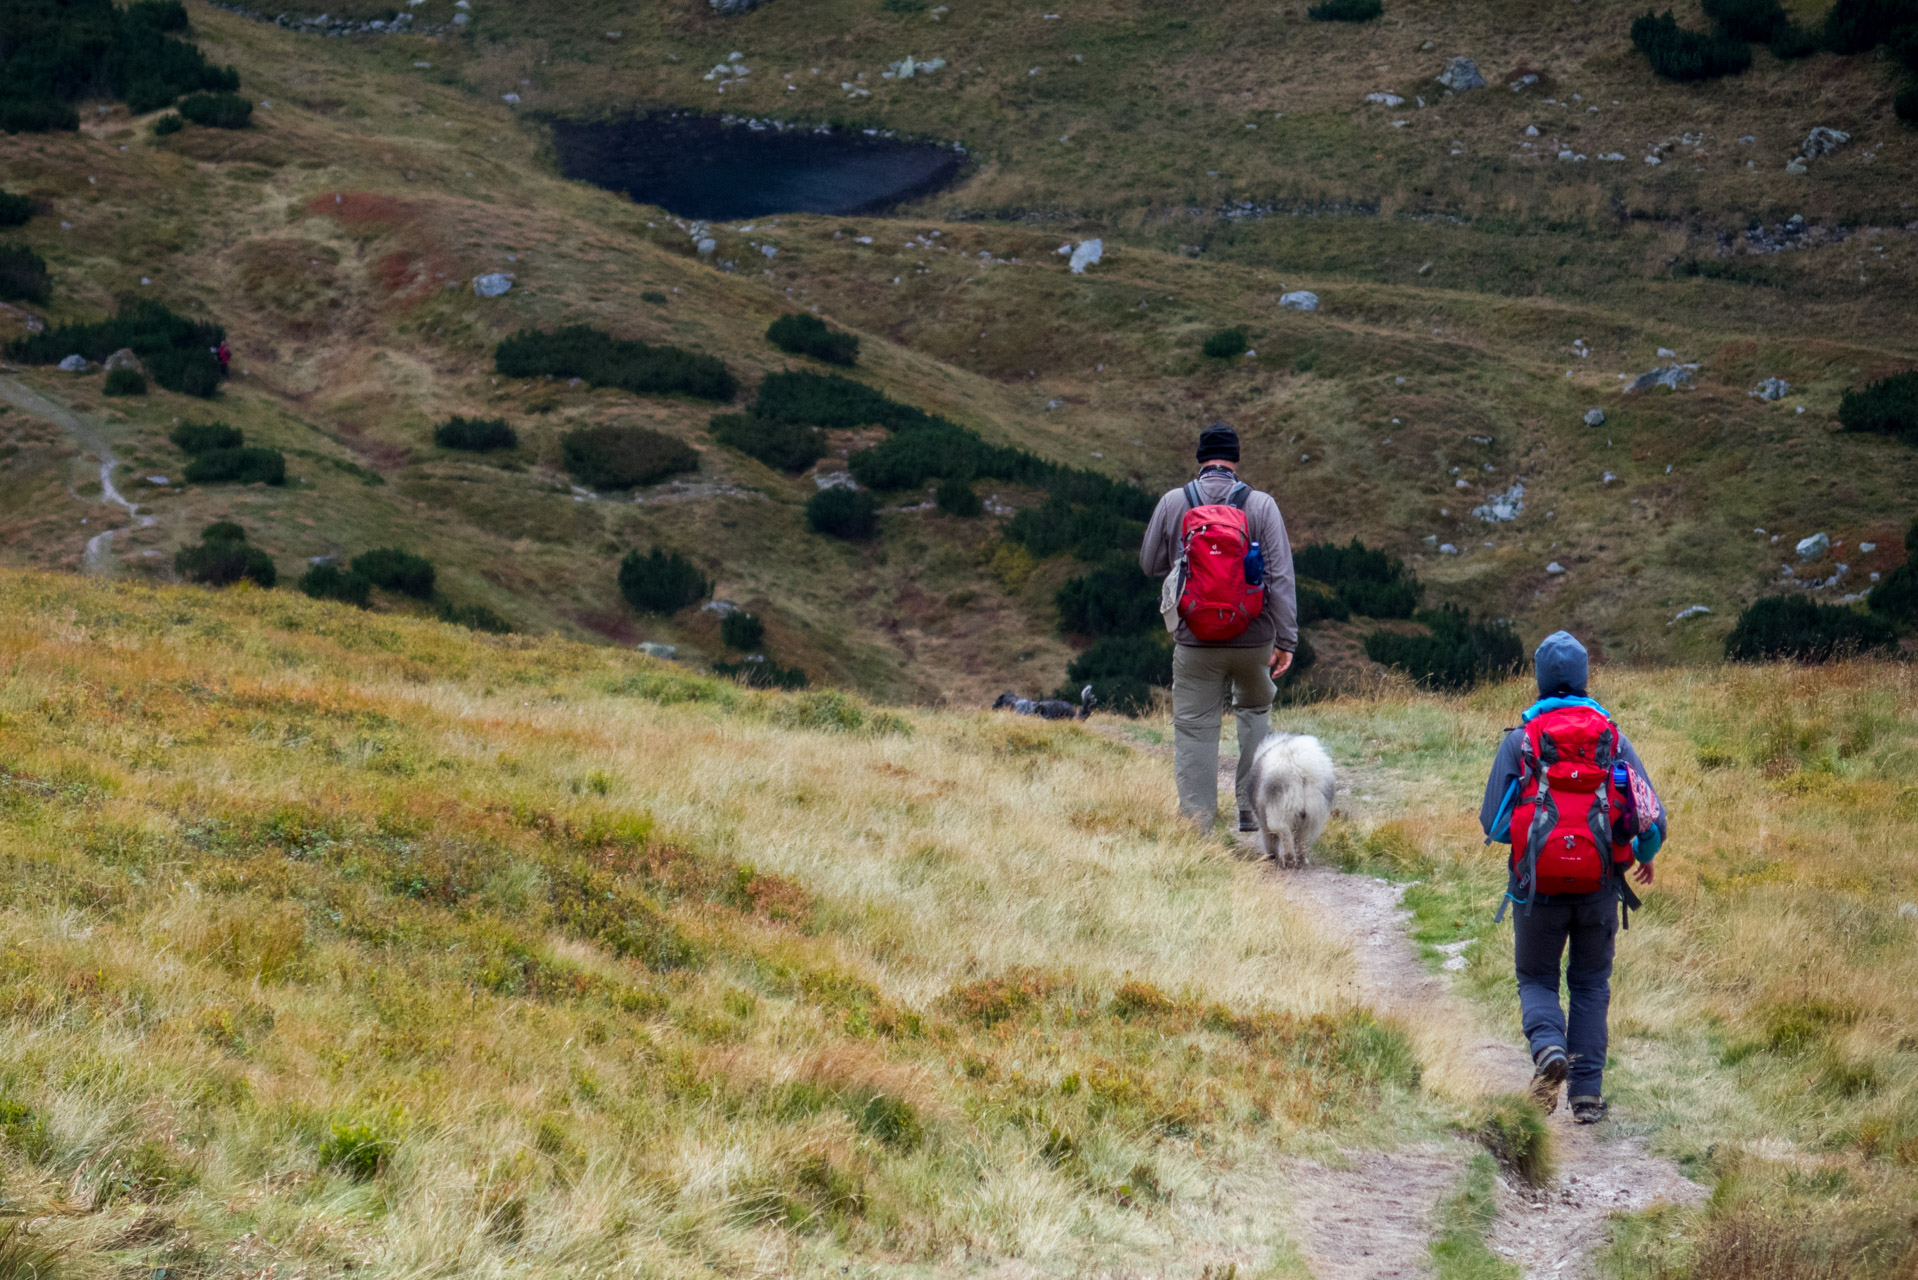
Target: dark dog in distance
x=1049 y=708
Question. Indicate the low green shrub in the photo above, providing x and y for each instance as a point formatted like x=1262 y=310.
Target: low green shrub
x=1905 y=105
x=204 y=437
x=1345 y=11
x=392 y=569
x=742 y=631
x=1795 y=41
x=217 y=110
x=1887 y=407
x=475 y=435
x=955 y=497
x=1321 y=606
x=23 y=275
x=1455 y=655
x=1512 y=1129
x=804 y=334
x=1089 y=532
x=762 y=674
x=360 y=1151
x=1754 y=21
x=58 y=52
x=237 y=466
x=474 y=617
x=580 y=351
x=1895 y=598
x=223 y=558
x=1226 y=344
x=1115 y=599
x=330 y=582
x=1145 y=657
x=125 y=382
x=1369 y=582
x=1677 y=53
x=1859 y=26
x=15 y=211
x=1792 y=627
x=177 y=352
x=168 y=125
x=829 y=400
x=661 y=582
x=852 y=514
x=783 y=446
x=611 y=457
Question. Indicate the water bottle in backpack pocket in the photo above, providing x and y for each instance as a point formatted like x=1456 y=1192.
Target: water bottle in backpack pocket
x=1219 y=595
x=1570 y=825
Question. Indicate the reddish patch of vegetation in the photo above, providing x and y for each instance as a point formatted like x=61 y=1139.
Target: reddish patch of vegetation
x=363 y=209
x=995 y=1000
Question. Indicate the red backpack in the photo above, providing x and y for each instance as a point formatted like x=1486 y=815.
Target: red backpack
x=1216 y=603
x=1564 y=835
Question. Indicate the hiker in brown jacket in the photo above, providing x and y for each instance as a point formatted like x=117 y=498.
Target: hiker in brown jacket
x=1243 y=667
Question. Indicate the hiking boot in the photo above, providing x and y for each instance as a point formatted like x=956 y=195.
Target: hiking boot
x=1588 y=1110
x=1247 y=822
x=1549 y=1066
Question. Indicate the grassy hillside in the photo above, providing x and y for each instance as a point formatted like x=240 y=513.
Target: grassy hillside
x=335 y=942
x=334 y=238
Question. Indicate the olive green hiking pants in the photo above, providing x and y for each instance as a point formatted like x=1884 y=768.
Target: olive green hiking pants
x=1202 y=679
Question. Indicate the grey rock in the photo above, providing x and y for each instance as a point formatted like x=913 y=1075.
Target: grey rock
x=1796 y=165
x=706 y=246
x=1087 y=254
x=1502 y=508
x=1594 y=417
x=664 y=652
x=734 y=8
x=493 y=284
x=1461 y=74
x=1299 y=300
x=1555 y=568
x=74 y=364
x=724 y=608
x=835 y=480
x=1673 y=376
x=1908 y=911
x=123 y=359
x=1813 y=547
x=1772 y=389
x=1447 y=549
x=1384 y=99
x=1822 y=141
x=1685 y=615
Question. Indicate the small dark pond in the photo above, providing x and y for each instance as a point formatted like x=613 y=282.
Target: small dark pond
x=721 y=170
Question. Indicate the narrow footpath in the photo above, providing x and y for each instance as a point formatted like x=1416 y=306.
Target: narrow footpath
x=88 y=438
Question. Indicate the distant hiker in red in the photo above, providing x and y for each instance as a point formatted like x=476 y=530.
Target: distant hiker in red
x=1572 y=798
x=1230 y=601
x=225 y=356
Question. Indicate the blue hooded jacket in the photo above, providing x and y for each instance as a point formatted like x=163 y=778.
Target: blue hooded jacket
x=1564 y=670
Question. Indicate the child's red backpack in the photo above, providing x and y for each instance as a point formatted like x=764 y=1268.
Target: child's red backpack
x=1564 y=837
x=1216 y=603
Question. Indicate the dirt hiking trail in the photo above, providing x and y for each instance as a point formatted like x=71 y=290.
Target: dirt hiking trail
x=1548 y=1232
x=87 y=437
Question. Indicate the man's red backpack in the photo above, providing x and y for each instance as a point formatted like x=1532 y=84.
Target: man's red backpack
x=1216 y=603
x=1572 y=826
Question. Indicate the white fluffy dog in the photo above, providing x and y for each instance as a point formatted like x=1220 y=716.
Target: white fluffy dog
x=1293 y=785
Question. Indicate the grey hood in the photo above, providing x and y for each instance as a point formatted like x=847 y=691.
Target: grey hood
x=1562 y=665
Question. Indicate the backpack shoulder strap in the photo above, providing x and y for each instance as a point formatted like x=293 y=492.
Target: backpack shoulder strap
x=1241 y=494
x=1192 y=496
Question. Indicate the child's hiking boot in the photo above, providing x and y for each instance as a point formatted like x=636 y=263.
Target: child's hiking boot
x=1588 y=1109
x=1549 y=1067
x=1247 y=822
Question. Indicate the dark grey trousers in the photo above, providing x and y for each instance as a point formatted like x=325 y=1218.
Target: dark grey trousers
x=1541 y=936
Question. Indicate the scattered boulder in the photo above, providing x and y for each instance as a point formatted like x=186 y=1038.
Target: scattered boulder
x=706 y=246
x=1796 y=165
x=908 y=67
x=74 y=364
x=735 y=8
x=724 y=608
x=1555 y=568
x=1685 y=615
x=1594 y=417
x=1822 y=141
x=1772 y=389
x=1384 y=99
x=835 y=480
x=1299 y=300
x=1813 y=547
x=1087 y=254
x=1673 y=376
x=493 y=284
x=651 y=648
x=1461 y=74
x=1502 y=508
x=124 y=359
x=1447 y=549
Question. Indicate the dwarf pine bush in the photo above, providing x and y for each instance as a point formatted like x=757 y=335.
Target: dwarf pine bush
x=60 y=51
x=828 y=400
x=393 y=569
x=1794 y=628
x=168 y=125
x=852 y=514
x=330 y=582
x=611 y=457
x=1859 y=26
x=804 y=334
x=742 y=631
x=1886 y=407
x=1368 y=582
x=1145 y=657
x=177 y=352
x=217 y=110
x=955 y=497
x=204 y=437
x=125 y=382
x=1754 y=21
x=661 y=581
x=476 y=435
x=15 y=211
x=474 y=617
x=1115 y=599
x=1226 y=344
x=762 y=674
x=580 y=351
x=237 y=466
x=1455 y=655
x=1896 y=598
x=1345 y=11
x=1677 y=53
x=783 y=446
x=224 y=557
x=23 y=275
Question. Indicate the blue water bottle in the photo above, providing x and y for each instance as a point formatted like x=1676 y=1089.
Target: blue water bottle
x=1254 y=566
x=1622 y=784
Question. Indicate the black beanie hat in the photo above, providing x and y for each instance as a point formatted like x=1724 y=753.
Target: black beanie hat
x=1218 y=443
